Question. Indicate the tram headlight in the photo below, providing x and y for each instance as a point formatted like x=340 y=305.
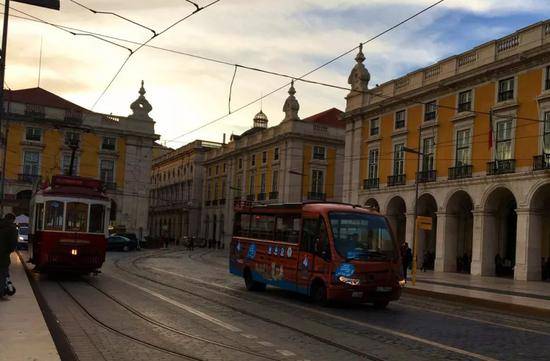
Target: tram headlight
x=402 y=282
x=349 y=281
x=74 y=252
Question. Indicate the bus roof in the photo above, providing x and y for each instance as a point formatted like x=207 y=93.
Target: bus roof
x=310 y=206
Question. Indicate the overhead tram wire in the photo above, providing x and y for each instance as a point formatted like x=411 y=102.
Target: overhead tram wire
x=198 y=9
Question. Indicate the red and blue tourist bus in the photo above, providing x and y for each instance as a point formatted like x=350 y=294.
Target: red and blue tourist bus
x=329 y=251
x=69 y=225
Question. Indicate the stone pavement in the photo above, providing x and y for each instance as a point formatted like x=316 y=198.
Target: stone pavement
x=23 y=331
x=531 y=296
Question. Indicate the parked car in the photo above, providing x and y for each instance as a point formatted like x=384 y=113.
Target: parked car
x=132 y=237
x=120 y=243
x=23 y=237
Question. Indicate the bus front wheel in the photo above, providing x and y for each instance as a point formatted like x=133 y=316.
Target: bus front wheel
x=319 y=294
x=252 y=285
x=381 y=304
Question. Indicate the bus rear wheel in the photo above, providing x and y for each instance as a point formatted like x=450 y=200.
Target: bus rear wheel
x=252 y=285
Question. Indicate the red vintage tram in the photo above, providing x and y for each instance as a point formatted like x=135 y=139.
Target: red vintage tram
x=69 y=225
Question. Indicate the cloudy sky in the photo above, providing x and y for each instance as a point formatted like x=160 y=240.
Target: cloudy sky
x=289 y=36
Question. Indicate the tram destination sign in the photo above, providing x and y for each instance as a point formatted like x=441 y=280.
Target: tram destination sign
x=50 y=4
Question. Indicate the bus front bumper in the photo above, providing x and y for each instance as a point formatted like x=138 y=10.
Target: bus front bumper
x=364 y=294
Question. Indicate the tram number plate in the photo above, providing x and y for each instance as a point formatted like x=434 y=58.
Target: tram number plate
x=357 y=294
x=383 y=289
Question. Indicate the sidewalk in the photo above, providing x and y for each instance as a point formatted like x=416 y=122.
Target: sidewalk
x=23 y=331
x=531 y=297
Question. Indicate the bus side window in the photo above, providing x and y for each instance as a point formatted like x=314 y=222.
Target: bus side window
x=323 y=248
x=310 y=231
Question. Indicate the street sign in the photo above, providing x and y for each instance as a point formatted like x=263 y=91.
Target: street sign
x=424 y=223
x=50 y=4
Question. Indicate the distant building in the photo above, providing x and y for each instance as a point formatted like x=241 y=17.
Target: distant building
x=176 y=191
x=481 y=121
x=115 y=149
x=294 y=161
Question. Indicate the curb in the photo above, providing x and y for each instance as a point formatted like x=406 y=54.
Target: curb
x=60 y=339
x=495 y=305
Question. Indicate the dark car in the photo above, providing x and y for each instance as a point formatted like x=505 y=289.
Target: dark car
x=119 y=243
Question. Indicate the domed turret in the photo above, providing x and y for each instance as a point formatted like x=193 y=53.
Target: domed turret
x=260 y=120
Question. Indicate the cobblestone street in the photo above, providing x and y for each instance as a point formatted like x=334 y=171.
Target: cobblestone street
x=174 y=304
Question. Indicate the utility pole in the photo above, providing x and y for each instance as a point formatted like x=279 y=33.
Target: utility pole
x=2 y=125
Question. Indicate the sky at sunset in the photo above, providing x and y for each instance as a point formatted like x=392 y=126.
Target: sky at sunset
x=288 y=36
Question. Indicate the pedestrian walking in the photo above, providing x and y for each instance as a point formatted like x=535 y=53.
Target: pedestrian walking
x=8 y=244
x=404 y=259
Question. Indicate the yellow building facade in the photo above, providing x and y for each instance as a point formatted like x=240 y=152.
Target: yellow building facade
x=43 y=129
x=473 y=131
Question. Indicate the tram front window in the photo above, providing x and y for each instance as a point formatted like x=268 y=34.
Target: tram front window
x=54 y=216
x=97 y=218
x=77 y=217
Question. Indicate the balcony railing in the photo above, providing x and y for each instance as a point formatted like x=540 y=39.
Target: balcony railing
x=505 y=95
x=371 y=183
x=316 y=196
x=261 y=196
x=426 y=176
x=541 y=162
x=464 y=107
x=273 y=195
x=397 y=180
x=250 y=197
x=504 y=166
x=460 y=172
x=28 y=178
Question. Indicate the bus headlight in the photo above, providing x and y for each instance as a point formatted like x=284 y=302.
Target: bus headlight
x=349 y=281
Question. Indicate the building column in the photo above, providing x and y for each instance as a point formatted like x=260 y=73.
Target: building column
x=528 y=246
x=409 y=237
x=445 y=258
x=483 y=241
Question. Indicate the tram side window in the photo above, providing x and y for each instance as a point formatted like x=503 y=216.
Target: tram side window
x=242 y=225
x=97 y=218
x=39 y=216
x=77 y=217
x=287 y=228
x=54 y=216
x=261 y=226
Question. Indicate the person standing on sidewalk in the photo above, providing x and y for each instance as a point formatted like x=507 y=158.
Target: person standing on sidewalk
x=8 y=244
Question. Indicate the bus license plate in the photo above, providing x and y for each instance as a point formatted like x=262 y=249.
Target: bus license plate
x=357 y=295
x=383 y=289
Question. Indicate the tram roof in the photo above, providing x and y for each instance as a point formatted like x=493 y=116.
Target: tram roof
x=74 y=187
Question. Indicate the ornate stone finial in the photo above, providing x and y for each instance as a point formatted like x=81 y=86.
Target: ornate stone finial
x=291 y=106
x=141 y=107
x=359 y=77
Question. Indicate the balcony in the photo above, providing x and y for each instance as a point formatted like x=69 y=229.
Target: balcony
x=397 y=180
x=541 y=162
x=426 y=176
x=250 y=197
x=504 y=166
x=316 y=196
x=273 y=195
x=371 y=183
x=261 y=196
x=28 y=178
x=505 y=95
x=464 y=107
x=460 y=172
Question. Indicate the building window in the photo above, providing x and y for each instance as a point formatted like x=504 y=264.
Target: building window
x=398 y=159
x=465 y=101
x=373 y=163
x=240 y=163
x=31 y=163
x=546 y=136
x=374 y=127
x=276 y=154
x=253 y=160
x=72 y=138
x=209 y=171
x=264 y=157
x=225 y=167
x=430 y=111
x=33 y=134
x=275 y=181
x=108 y=143
x=428 y=146
x=262 y=183
x=208 y=191
x=251 y=185
x=223 y=189
x=506 y=89
x=66 y=164
x=317 y=181
x=319 y=152
x=400 y=119
x=547 y=78
x=462 y=148
x=216 y=190
x=107 y=170
x=504 y=140
x=217 y=169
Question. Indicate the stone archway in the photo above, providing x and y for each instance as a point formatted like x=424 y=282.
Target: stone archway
x=23 y=201
x=396 y=213
x=534 y=258
x=372 y=203
x=427 y=207
x=459 y=222
x=499 y=233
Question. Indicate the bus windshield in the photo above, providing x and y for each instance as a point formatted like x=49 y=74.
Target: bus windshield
x=362 y=236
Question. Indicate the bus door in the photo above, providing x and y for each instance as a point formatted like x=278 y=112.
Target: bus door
x=314 y=258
